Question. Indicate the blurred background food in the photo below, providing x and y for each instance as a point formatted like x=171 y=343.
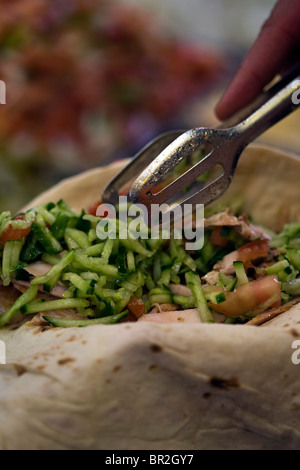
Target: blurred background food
x=91 y=81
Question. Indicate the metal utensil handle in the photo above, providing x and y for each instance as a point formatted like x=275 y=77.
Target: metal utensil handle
x=269 y=91
x=284 y=102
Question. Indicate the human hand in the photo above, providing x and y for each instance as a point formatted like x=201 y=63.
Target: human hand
x=276 y=48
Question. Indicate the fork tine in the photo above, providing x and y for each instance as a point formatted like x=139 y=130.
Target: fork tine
x=204 y=196
x=137 y=164
x=184 y=180
x=210 y=192
x=143 y=188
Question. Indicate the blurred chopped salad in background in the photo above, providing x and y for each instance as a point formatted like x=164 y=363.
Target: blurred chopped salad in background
x=87 y=81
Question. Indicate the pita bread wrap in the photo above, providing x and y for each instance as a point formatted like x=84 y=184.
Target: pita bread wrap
x=160 y=386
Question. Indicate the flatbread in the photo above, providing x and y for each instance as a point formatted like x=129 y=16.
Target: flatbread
x=160 y=386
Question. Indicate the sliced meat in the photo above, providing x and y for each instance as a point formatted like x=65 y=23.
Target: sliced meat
x=57 y=291
x=250 y=231
x=157 y=308
x=179 y=289
x=221 y=219
x=272 y=313
x=39 y=268
x=178 y=316
x=241 y=224
x=225 y=265
x=211 y=278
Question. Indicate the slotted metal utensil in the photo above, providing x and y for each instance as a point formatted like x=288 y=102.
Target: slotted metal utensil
x=153 y=165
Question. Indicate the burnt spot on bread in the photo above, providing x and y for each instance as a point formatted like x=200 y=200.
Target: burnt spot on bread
x=156 y=348
x=41 y=329
x=20 y=369
x=72 y=338
x=206 y=395
x=294 y=332
x=117 y=368
x=224 y=384
x=65 y=360
x=152 y=367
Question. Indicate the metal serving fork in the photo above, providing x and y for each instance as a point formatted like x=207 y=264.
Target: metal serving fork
x=151 y=169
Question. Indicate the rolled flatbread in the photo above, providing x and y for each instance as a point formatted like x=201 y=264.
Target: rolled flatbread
x=160 y=386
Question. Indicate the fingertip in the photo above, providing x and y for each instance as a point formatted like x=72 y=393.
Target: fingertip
x=232 y=98
x=228 y=104
x=221 y=109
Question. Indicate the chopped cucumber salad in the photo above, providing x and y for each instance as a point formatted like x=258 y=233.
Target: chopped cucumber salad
x=57 y=261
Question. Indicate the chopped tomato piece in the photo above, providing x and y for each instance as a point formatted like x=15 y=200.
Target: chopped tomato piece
x=136 y=306
x=12 y=233
x=253 y=250
x=92 y=210
x=216 y=238
x=250 y=298
x=104 y=210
